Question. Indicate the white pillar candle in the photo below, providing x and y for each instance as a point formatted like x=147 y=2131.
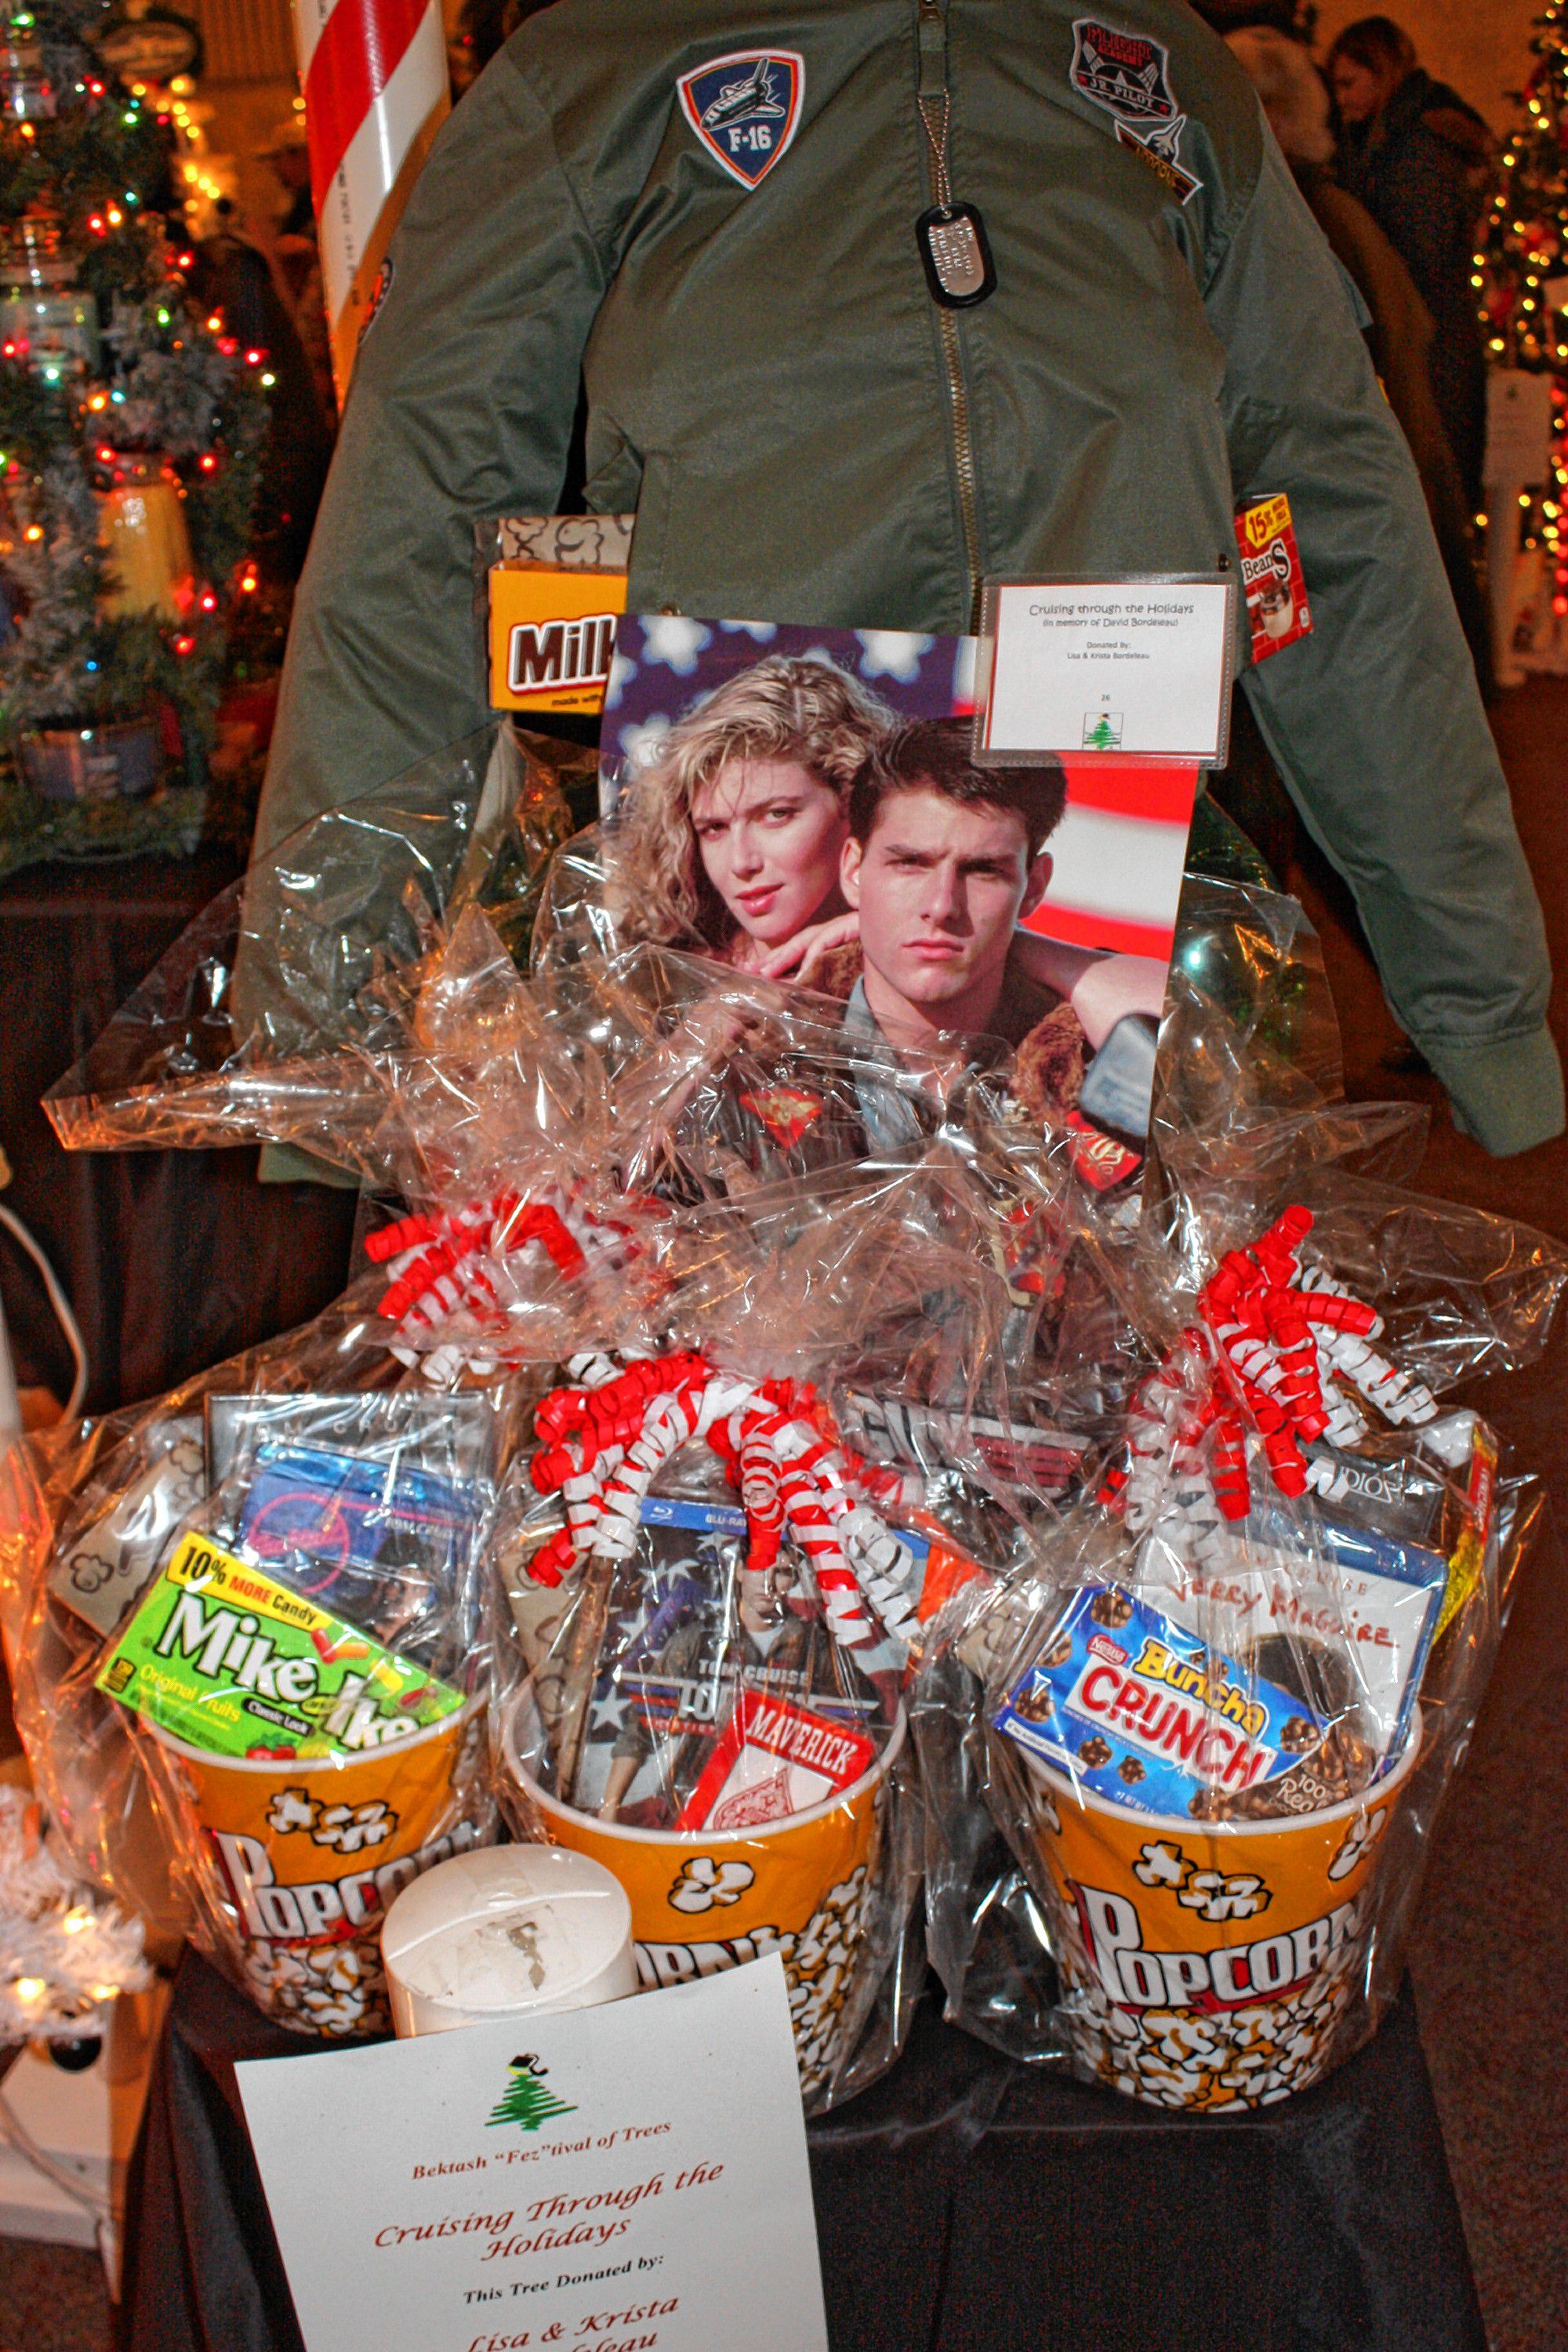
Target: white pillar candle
x=508 y=1931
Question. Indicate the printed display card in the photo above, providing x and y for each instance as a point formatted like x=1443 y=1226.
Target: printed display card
x=1139 y=668
x=634 y=2174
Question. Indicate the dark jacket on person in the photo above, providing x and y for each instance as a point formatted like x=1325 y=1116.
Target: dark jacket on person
x=1416 y=168
x=232 y=275
x=1401 y=339
x=807 y=435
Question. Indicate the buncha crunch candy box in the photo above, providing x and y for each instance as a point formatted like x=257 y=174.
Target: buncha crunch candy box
x=1126 y=1702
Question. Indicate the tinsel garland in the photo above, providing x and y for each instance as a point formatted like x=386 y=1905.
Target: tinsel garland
x=64 y=1953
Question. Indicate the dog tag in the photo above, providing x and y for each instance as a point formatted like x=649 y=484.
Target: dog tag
x=957 y=257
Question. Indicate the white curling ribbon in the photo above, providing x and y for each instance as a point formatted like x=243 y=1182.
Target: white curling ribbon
x=670 y=1422
x=1399 y=1396
x=885 y=1567
x=1347 y=1423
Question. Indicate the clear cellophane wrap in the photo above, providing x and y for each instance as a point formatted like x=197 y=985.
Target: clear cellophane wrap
x=665 y=1202
x=1182 y=1774
x=307 y=1500
x=716 y=1569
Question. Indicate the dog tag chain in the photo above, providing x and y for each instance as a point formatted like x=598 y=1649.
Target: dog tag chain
x=955 y=249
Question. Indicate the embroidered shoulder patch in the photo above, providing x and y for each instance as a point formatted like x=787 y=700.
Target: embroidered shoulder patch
x=746 y=109
x=1129 y=75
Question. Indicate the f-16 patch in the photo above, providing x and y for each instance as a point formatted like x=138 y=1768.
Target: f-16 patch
x=1128 y=76
x=746 y=109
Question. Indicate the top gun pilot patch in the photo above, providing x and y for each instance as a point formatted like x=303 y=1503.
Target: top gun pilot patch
x=1129 y=75
x=745 y=108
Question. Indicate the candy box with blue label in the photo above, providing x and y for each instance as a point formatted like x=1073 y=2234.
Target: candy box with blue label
x=1135 y=1709
x=383 y=1543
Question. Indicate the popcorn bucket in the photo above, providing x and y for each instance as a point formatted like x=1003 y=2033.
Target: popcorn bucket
x=805 y=1887
x=1209 y=1965
x=295 y=1861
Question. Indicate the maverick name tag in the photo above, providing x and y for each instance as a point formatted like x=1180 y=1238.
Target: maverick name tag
x=956 y=255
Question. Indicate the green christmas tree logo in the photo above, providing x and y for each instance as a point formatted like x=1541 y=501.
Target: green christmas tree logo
x=526 y=2101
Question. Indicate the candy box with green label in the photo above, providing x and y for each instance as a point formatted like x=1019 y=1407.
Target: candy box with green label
x=227 y=1659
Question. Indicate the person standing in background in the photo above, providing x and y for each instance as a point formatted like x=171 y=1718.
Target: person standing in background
x=292 y=250
x=232 y=275
x=1412 y=151
x=1295 y=98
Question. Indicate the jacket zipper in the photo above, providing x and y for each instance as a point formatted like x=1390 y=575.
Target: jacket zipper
x=933 y=104
x=964 y=457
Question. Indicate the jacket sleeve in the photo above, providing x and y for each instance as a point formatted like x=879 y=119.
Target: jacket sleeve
x=1374 y=720
x=462 y=406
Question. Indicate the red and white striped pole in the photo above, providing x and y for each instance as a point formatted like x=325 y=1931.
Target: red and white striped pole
x=374 y=78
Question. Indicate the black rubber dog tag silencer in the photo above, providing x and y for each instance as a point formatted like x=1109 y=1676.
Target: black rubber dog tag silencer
x=956 y=254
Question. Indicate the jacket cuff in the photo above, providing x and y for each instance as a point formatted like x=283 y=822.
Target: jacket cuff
x=1506 y=1092
x=285 y=1163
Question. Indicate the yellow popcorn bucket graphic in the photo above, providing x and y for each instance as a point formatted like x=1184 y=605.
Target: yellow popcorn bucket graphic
x=294 y=1861
x=805 y=1887
x=1208 y=1965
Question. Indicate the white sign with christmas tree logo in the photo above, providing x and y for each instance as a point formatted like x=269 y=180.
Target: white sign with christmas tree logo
x=1137 y=669
x=634 y=2174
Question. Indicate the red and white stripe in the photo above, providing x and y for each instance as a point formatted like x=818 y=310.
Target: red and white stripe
x=1118 y=857
x=374 y=78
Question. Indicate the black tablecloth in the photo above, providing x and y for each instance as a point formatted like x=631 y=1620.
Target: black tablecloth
x=961 y=2203
x=171 y=1260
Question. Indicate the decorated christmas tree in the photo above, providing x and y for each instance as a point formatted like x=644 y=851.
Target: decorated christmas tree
x=1522 y=278
x=130 y=427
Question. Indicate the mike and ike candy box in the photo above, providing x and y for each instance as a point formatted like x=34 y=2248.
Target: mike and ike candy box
x=227 y=1659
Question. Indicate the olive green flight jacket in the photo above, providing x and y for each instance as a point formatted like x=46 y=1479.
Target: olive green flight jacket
x=806 y=436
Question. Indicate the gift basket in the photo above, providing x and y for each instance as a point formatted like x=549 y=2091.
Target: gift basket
x=246 y=1640
x=715 y=1570
x=768 y=1465
x=1183 y=1773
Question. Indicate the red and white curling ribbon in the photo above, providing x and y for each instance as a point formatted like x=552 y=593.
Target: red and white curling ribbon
x=1282 y=1351
x=601 y=1446
x=374 y=78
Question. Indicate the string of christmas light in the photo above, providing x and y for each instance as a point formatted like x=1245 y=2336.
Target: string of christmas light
x=152 y=392
x=63 y=1953
x=1521 y=274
